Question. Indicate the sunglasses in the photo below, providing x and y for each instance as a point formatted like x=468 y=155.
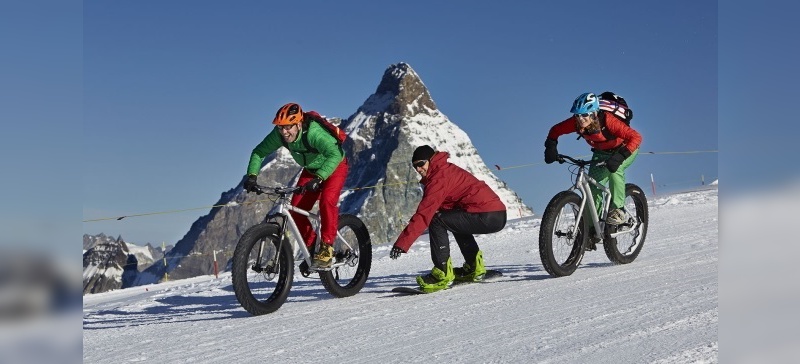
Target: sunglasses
x=586 y=115
x=286 y=127
x=418 y=164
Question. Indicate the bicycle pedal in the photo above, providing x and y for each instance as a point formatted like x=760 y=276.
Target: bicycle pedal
x=305 y=271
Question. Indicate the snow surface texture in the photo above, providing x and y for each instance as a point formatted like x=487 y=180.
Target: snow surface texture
x=662 y=308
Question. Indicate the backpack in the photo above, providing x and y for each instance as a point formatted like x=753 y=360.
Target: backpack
x=313 y=116
x=616 y=105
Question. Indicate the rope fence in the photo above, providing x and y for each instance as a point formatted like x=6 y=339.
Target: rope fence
x=497 y=166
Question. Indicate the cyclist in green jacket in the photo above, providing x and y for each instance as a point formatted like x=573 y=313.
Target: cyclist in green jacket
x=323 y=176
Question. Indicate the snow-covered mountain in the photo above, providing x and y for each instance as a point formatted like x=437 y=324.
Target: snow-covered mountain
x=105 y=264
x=110 y=263
x=392 y=122
x=382 y=188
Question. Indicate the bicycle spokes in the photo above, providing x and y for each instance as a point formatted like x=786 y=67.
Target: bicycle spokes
x=566 y=223
x=266 y=261
x=636 y=234
x=262 y=269
x=560 y=241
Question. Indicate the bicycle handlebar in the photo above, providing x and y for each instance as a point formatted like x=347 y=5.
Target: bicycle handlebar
x=579 y=162
x=280 y=190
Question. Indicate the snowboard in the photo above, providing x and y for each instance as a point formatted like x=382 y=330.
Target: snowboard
x=488 y=277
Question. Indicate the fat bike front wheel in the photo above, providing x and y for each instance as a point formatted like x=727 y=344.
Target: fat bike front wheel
x=561 y=239
x=263 y=269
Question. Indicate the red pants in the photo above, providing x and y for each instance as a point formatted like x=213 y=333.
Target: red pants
x=328 y=197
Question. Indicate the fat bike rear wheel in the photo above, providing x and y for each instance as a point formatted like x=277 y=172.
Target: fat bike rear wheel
x=624 y=248
x=352 y=261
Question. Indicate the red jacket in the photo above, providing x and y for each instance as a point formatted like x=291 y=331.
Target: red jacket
x=624 y=134
x=447 y=187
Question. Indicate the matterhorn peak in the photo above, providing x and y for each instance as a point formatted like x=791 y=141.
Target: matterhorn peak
x=401 y=92
x=392 y=122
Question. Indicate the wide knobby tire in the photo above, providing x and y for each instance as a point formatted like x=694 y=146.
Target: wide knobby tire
x=346 y=280
x=625 y=248
x=560 y=241
x=262 y=292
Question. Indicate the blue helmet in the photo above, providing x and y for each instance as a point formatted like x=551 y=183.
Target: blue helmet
x=585 y=103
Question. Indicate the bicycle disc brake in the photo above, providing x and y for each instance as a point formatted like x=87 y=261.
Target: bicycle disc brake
x=347 y=257
x=268 y=269
x=570 y=233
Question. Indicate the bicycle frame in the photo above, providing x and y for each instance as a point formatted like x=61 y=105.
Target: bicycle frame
x=282 y=208
x=583 y=183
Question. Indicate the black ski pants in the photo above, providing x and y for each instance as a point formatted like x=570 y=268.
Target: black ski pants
x=462 y=224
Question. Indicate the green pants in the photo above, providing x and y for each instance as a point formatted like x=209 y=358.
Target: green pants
x=615 y=181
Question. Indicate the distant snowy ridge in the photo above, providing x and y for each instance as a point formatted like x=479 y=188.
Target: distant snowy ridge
x=110 y=263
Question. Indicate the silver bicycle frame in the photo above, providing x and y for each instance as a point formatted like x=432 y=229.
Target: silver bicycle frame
x=283 y=207
x=583 y=183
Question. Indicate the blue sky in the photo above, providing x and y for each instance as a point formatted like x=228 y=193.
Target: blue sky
x=176 y=94
x=40 y=111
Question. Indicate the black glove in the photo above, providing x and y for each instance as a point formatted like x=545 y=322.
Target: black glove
x=395 y=253
x=251 y=183
x=313 y=185
x=617 y=158
x=550 y=151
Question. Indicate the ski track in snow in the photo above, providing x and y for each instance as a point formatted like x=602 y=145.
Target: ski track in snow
x=662 y=308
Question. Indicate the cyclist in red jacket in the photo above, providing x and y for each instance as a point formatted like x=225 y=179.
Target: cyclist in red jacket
x=453 y=200
x=611 y=139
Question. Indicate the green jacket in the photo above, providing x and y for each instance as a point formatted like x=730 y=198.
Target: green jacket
x=322 y=163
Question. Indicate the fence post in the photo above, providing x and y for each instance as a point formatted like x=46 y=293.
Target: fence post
x=164 y=250
x=653 y=184
x=216 y=267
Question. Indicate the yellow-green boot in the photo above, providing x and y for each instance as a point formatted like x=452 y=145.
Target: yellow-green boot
x=471 y=271
x=437 y=280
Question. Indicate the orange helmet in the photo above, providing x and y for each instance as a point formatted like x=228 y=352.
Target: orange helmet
x=289 y=114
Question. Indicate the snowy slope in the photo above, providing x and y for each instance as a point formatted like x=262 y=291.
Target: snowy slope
x=662 y=308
